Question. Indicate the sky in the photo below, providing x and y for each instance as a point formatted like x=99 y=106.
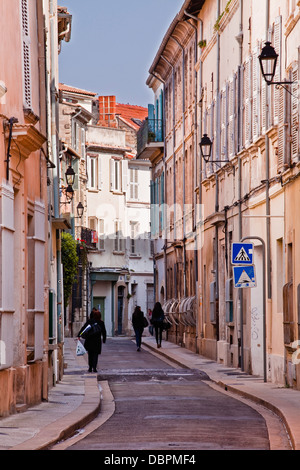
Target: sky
x=113 y=44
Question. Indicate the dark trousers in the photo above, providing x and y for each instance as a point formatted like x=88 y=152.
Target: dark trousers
x=93 y=360
x=138 y=336
x=158 y=333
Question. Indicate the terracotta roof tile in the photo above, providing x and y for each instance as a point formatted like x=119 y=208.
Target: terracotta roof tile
x=129 y=113
x=71 y=89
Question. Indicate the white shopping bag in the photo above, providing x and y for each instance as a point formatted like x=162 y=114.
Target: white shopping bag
x=80 y=349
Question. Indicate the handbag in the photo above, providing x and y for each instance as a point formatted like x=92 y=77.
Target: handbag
x=145 y=322
x=166 y=325
x=80 y=349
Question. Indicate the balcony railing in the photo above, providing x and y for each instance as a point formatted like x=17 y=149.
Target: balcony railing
x=90 y=237
x=151 y=131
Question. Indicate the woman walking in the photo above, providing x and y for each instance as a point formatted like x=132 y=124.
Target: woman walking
x=93 y=342
x=138 y=323
x=157 y=319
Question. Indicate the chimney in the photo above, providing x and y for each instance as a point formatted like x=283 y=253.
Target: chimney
x=107 y=111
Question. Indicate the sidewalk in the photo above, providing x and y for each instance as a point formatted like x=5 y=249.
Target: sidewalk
x=71 y=404
x=76 y=400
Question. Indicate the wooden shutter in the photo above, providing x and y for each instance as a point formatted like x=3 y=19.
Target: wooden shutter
x=247 y=99
x=26 y=55
x=295 y=114
x=232 y=118
x=278 y=91
x=224 y=123
x=255 y=95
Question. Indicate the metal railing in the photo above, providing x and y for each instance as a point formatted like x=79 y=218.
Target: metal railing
x=150 y=131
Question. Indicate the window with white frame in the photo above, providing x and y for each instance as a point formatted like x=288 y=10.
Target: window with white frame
x=134 y=184
x=134 y=230
x=93 y=172
x=116 y=175
x=118 y=241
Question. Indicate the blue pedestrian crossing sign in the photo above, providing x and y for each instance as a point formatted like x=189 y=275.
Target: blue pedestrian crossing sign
x=242 y=254
x=244 y=276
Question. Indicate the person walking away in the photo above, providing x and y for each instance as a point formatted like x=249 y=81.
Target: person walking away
x=157 y=321
x=138 y=323
x=93 y=343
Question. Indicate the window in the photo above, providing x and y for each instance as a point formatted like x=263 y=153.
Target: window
x=115 y=175
x=93 y=172
x=118 y=241
x=134 y=187
x=97 y=225
x=133 y=237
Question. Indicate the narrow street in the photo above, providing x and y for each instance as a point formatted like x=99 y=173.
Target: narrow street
x=163 y=407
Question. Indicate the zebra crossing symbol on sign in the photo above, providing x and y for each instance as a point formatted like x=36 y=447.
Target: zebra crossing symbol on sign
x=242 y=254
x=244 y=276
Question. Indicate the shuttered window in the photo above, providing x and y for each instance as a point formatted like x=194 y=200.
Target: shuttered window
x=295 y=113
x=134 y=184
x=26 y=55
x=256 y=112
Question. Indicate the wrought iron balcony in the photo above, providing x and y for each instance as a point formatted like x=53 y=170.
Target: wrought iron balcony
x=150 y=137
x=89 y=237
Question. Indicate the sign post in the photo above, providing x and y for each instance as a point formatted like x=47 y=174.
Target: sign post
x=243 y=280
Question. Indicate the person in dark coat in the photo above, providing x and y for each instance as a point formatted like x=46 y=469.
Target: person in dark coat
x=93 y=344
x=138 y=323
x=157 y=319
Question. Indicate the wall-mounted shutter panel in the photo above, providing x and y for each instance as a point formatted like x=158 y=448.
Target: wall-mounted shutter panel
x=229 y=300
x=295 y=113
x=255 y=95
x=99 y=172
x=123 y=177
x=212 y=301
x=26 y=55
x=224 y=123
x=232 y=118
x=112 y=173
x=278 y=91
x=247 y=99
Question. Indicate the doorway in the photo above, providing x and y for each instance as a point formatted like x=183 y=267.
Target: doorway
x=99 y=303
x=120 y=309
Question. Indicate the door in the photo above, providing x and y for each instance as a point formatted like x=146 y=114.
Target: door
x=99 y=303
x=120 y=309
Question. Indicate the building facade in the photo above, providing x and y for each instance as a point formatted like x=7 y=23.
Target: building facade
x=208 y=65
x=118 y=201
x=27 y=362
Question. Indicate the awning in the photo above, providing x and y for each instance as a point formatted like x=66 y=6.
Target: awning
x=60 y=224
x=104 y=276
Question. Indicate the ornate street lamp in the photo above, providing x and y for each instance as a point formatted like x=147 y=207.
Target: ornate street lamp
x=80 y=210
x=69 y=193
x=70 y=176
x=268 y=62
x=206 y=148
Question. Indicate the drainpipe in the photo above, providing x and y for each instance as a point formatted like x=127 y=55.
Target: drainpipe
x=267 y=143
x=198 y=276
x=54 y=145
x=239 y=38
x=174 y=159
x=216 y=248
x=165 y=191
x=195 y=156
x=183 y=162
